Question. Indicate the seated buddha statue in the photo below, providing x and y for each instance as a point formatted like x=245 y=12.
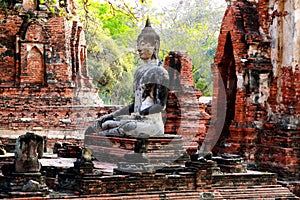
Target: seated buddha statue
x=150 y=87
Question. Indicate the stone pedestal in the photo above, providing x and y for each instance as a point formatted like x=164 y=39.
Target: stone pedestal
x=27 y=165
x=162 y=149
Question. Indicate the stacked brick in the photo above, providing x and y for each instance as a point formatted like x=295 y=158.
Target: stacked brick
x=185 y=115
x=196 y=176
x=43 y=69
x=11 y=185
x=279 y=151
x=40 y=110
x=7 y=66
x=145 y=183
x=267 y=86
x=45 y=81
x=238 y=187
x=165 y=149
x=243 y=134
x=239 y=31
x=296 y=82
x=288 y=87
x=279 y=142
x=273 y=93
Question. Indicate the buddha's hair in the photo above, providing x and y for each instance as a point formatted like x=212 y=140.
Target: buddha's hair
x=148 y=35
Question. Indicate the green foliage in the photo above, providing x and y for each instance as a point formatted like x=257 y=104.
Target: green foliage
x=203 y=80
x=3 y=4
x=52 y=11
x=111 y=34
x=62 y=13
x=202 y=85
x=110 y=56
x=115 y=22
x=193 y=26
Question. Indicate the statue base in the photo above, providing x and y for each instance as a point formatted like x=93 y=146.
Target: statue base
x=134 y=168
x=159 y=149
x=27 y=166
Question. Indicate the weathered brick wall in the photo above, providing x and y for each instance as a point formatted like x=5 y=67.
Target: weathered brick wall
x=185 y=116
x=257 y=61
x=7 y=47
x=44 y=83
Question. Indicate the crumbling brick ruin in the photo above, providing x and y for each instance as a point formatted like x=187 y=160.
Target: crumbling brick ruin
x=45 y=88
x=44 y=80
x=256 y=69
x=186 y=116
x=45 y=85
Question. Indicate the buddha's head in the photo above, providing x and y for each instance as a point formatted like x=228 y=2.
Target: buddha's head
x=148 y=43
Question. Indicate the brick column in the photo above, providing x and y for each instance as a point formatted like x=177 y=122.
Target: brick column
x=185 y=115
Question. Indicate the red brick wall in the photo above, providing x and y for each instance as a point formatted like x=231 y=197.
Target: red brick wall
x=7 y=48
x=43 y=67
x=186 y=116
x=266 y=89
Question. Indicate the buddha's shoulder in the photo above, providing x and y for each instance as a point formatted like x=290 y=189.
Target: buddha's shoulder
x=155 y=74
x=158 y=70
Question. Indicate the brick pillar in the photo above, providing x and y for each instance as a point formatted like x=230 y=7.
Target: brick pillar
x=287 y=89
x=297 y=89
x=203 y=173
x=185 y=115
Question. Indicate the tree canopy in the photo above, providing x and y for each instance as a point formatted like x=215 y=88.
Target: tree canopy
x=111 y=59
x=111 y=31
x=193 y=26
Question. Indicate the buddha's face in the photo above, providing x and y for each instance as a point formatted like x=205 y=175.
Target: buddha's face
x=146 y=50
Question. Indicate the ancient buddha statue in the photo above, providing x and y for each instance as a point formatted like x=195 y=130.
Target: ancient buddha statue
x=29 y=148
x=143 y=116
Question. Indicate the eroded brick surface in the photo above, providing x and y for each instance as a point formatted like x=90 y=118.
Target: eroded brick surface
x=44 y=80
x=186 y=116
x=256 y=70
